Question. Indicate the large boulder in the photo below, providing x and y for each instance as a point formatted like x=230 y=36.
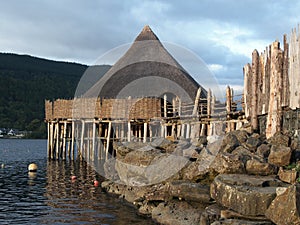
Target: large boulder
x=229 y=143
x=285 y=208
x=227 y=163
x=189 y=191
x=288 y=176
x=140 y=168
x=176 y=213
x=247 y=195
x=279 y=139
x=257 y=167
x=240 y=222
x=211 y=214
x=280 y=155
x=263 y=150
x=201 y=169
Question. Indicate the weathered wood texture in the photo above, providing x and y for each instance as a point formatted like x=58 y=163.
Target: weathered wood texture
x=272 y=81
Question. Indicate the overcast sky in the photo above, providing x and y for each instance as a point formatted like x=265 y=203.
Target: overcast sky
x=221 y=32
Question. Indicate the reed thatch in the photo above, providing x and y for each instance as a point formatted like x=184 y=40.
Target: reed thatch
x=146 y=69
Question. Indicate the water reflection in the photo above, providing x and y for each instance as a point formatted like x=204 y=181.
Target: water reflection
x=78 y=201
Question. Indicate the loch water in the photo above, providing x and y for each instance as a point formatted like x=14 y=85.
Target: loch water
x=50 y=196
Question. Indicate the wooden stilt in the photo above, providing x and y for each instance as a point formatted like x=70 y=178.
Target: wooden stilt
x=108 y=140
x=57 y=141
x=48 y=140
x=129 y=131
x=195 y=110
x=73 y=140
x=165 y=105
x=187 y=131
x=64 y=140
x=162 y=130
x=145 y=133
x=82 y=139
x=140 y=132
x=178 y=129
x=94 y=141
x=182 y=130
x=69 y=133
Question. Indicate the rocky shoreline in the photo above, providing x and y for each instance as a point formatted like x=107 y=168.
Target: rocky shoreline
x=240 y=178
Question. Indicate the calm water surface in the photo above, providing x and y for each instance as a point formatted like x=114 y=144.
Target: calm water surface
x=50 y=196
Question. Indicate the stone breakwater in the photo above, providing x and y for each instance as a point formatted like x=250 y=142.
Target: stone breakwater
x=240 y=178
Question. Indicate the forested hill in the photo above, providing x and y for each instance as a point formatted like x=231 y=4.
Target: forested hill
x=25 y=83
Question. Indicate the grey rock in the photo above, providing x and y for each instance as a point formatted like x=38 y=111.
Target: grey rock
x=227 y=163
x=256 y=167
x=280 y=155
x=279 y=139
x=247 y=195
x=288 y=176
x=211 y=214
x=285 y=208
x=229 y=143
x=176 y=213
x=189 y=191
x=153 y=169
x=252 y=143
x=263 y=150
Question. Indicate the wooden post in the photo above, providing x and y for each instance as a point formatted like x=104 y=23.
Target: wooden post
x=122 y=131
x=247 y=90
x=179 y=107
x=195 y=110
x=203 y=133
x=274 y=112
x=94 y=141
x=73 y=140
x=254 y=99
x=129 y=131
x=285 y=75
x=69 y=139
x=294 y=69
x=178 y=128
x=139 y=127
x=228 y=100
x=209 y=103
x=145 y=133
x=48 y=140
x=182 y=129
x=108 y=140
x=64 y=140
x=165 y=105
x=82 y=139
x=162 y=130
x=150 y=132
x=228 y=108
x=57 y=140
x=188 y=126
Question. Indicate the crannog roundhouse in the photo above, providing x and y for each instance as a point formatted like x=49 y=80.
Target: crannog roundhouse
x=146 y=94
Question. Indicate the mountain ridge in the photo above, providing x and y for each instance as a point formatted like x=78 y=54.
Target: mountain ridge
x=26 y=81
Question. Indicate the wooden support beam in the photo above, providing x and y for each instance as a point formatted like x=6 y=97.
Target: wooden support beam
x=94 y=141
x=195 y=109
x=73 y=140
x=57 y=140
x=108 y=140
x=129 y=131
x=82 y=139
x=165 y=105
x=64 y=135
x=145 y=133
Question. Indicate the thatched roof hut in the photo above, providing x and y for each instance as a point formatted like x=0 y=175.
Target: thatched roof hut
x=146 y=69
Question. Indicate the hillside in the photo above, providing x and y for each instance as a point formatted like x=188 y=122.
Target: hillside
x=26 y=81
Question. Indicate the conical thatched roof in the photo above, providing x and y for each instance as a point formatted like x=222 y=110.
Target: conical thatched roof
x=146 y=69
